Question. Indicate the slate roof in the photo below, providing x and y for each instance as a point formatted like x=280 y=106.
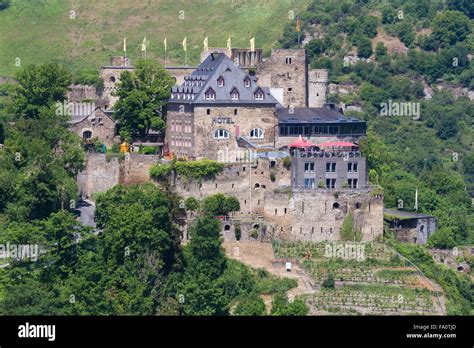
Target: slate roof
x=206 y=75
x=312 y=115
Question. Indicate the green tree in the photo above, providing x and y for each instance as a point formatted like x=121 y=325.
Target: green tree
x=380 y=50
x=281 y=306
x=143 y=93
x=450 y=27
x=250 y=306
x=219 y=204
x=364 y=46
x=39 y=87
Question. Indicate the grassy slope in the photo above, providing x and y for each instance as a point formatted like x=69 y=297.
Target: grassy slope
x=41 y=31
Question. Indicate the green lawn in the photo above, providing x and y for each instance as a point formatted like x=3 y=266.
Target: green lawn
x=42 y=31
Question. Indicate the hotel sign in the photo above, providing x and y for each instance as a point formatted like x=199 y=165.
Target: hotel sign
x=222 y=120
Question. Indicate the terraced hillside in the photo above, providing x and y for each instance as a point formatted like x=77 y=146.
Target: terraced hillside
x=83 y=34
x=379 y=283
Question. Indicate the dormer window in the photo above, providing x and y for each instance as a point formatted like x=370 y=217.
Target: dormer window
x=210 y=94
x=259 y=95
x=234 y=94
x=247 y=82
x=220 y=82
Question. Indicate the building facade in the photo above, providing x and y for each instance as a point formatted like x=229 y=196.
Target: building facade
x=217 y=108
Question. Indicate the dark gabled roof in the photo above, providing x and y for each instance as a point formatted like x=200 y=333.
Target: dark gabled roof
x=206 y=76
x=312 y=115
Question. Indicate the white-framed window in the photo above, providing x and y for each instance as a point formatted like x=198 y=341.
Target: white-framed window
x=309 y=167
x=221 y=134
x=330 y=183
x=309 y=183
x=259 y=95
x=247 y=82
x=353 y=183
x=234 y=94
x=352 y=167
x=330 y=167
x=210 y=94
x=256 y=133
x=220 y=82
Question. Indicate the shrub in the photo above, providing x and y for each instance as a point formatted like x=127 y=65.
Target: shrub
x=252 y=305
x=202 y=169
x=192 y=204
x=347 y=230
x=148 y=150
x=238 y=232
x=272 y=176
x=287 y=162
x=160 y=171
x=328 y=283
x=254 y=233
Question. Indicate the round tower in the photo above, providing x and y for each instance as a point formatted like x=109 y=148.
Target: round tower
x=317 y=87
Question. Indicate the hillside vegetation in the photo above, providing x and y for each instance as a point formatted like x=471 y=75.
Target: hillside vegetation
x=44 y=31
x=403 y=51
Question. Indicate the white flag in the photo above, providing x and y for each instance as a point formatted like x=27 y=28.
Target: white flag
x=144 y=44
x=124 y=44
x=206 y=44
x=252 y=44
x=229 y=44
x=185 y=44
x=165 y=44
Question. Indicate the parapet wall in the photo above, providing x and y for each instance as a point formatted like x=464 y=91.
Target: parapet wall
x=101 y=175
x=278 y=211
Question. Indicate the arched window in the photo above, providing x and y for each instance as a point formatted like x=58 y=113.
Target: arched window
x=220 y=82
x=87 y=134
x=221 y=134
x=112 y=79
x=256 y=133
x=210 y=94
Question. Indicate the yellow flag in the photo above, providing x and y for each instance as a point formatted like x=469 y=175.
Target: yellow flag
x=124 y=44
x=229 y=44
x=252 y=44
x=165 y=44
x=298 y=24
x=206 y=44
x=185 y=44
x=144 y=44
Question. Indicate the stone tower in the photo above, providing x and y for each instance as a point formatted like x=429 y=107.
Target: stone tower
x=317 y=87
x=286 y=71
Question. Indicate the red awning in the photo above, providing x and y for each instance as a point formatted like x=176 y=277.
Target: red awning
x=300 y=142
x=337 y=144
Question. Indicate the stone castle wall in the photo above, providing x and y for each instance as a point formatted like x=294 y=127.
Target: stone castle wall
x=280 y=212
x=101 y=175
x=318 y=214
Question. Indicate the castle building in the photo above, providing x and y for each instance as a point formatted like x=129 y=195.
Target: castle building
x=218 y=108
